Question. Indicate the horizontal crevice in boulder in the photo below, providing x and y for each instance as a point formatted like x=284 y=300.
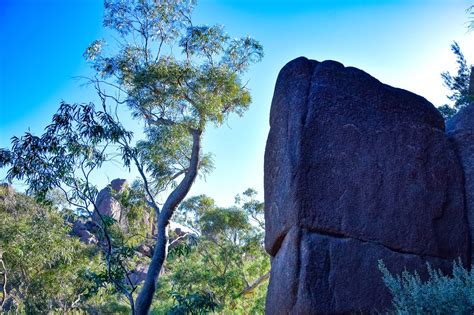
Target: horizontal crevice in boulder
x=390 y=248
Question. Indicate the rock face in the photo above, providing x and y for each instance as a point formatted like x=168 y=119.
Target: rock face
x=355 y=171
x=106 y=202
x=6 y=191
x=138 y=275
x=81 y=230
x=460 y=130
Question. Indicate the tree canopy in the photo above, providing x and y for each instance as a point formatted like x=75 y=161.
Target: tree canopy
x=175 y=77
x=41 y=264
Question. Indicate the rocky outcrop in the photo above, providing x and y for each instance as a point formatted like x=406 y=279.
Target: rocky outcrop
x=139 y=273
x=107 y=203
x=355 y=171
x=83 y=231
x=460 y=130
x=6 y=191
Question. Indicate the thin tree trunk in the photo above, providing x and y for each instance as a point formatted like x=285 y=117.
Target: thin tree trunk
x=132 y=304
x=145 y=297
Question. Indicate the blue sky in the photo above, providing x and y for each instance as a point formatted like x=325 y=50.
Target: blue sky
x=403 y=43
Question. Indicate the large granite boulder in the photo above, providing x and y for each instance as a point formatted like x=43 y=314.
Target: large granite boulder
x=460 y=130
x=356 y=171
x=107 y=203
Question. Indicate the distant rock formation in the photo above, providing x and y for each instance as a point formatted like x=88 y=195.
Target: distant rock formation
x=356 y=171
x=108 y=204
x=106 y=201
x=83 y=231
x=6 y=191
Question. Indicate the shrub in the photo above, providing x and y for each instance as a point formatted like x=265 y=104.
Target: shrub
x=440 y=294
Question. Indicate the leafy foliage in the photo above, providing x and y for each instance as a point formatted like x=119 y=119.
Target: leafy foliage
x=440 y=294
x=43 y=262
x=73 y=145
x=175 y=76
x=470 y=12
x=458 y=84
x=199 y=85
x=226 y=264
x=192 y=304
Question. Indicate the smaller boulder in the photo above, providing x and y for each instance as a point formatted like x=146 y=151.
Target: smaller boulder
x=80 y=230
x=6 y=191
x=138 y=275
x=145 y=250
x=106 y=201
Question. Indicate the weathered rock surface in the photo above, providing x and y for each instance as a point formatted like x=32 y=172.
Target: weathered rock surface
x=355 y=171
x=107 y=204
x=315 y=273
x=82 y=230
x=6 y=191
x=138 y=275
x=460 y=129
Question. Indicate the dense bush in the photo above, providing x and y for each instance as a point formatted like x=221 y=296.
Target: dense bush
x=440 y=294
x=218 y=264
x=41 y=263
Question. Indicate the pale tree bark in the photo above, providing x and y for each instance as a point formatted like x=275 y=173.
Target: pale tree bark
x=145 y=297
x=255 y=284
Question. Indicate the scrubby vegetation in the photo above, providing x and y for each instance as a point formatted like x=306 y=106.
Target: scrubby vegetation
x=176 y=78
x=216 y=261
x=42 y=266
x=460 y=86
x=439 y=294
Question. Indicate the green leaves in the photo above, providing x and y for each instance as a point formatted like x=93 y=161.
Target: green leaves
x=94 y=50
x=193 y=304
x=458 y=84
x=439 y=294
x=242 y=52
x=204 y=41
x=198 y=86
x=75 y=141
x=164 y=19
x=42 y=260
x=227 y=258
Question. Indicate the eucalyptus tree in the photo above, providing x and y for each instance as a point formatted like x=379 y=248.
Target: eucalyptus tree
x=218 y=262
x=63 y=158
x=460 y=85
x=176 y=77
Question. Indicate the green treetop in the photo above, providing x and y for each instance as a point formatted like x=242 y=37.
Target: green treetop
x=177 y=78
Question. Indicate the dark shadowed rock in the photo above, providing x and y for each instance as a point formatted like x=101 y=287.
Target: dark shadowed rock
x=145 y=250
x=82 y=230
x=355 y=171
x=460 y=129
x=138 y=275
x=322 y=274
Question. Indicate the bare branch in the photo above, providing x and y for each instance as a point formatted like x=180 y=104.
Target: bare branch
x=255 y=284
